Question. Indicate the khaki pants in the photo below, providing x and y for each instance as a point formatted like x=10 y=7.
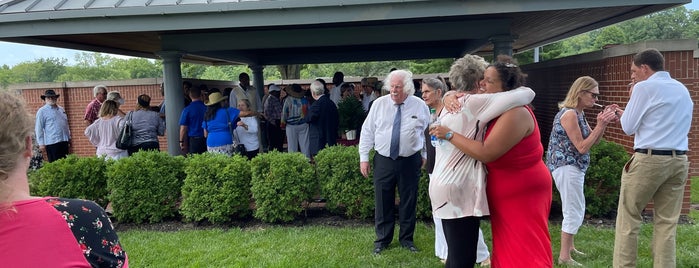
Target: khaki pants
x=647 y=177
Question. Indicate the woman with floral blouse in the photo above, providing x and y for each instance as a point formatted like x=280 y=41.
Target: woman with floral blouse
x=45 y=231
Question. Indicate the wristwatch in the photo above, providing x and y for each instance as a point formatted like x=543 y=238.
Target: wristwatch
x=449 y=135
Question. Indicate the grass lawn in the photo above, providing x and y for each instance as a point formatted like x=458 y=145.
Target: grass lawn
x=330 y=246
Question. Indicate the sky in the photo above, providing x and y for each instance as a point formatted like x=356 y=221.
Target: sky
x=14 y=53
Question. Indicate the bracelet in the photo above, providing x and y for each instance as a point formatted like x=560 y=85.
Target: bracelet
x=181 y=141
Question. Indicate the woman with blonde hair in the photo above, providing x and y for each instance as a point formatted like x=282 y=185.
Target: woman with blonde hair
x=104 y=132
x=568 y=156
x=247 y=130
x=45 y=231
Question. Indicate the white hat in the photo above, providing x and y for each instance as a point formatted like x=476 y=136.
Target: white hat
x=273 y=88
x=115 y=96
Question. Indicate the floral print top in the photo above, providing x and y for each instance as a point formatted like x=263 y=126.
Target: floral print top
x=93 y=231
x=561 y=151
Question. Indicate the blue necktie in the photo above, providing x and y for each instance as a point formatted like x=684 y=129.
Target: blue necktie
x=395 y=135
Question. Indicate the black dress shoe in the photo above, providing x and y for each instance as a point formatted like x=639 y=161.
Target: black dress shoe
x=412 y=248
x=377 y=250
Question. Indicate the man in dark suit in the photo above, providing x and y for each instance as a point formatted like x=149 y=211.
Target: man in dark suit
x=322 y=120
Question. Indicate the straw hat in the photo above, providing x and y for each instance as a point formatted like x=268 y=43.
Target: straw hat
x=215 y=97
x=294 y=90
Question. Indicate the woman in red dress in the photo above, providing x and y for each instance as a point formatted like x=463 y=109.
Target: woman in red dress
x=518 y=183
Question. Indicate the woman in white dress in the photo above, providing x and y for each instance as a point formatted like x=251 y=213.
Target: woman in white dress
x=104 y=132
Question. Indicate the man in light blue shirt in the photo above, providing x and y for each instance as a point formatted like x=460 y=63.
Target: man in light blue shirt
x=51 y=127
x=659 y=115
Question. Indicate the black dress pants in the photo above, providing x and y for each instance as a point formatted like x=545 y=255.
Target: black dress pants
x=462 y=241
x=403 y=172
x=275 y=137
x=57 y=150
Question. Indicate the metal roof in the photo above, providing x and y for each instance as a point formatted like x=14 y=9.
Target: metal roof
x=306 y=31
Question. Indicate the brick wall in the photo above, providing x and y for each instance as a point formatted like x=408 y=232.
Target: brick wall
x=611 y=68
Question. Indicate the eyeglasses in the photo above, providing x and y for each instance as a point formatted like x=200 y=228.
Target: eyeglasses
x=594 y=95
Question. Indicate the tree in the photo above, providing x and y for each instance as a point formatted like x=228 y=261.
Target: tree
x=431 y=66
x=191 y=70
x=138 y=67
x=41 y=70
x=291 y=71
x=93 y=67
x=609 y=36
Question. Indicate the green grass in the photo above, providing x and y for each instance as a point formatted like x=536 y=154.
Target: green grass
x=323 y=246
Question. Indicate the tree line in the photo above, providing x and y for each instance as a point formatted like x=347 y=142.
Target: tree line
x=675 y=23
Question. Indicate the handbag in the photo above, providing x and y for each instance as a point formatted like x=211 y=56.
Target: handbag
x=238 y=147
x=124 y=140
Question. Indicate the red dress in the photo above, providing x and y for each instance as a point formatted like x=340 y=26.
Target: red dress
x=519 y=195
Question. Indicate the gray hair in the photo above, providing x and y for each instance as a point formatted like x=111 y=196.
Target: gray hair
x=466 y=72
x=96 y=89
x=317 y=88
x=408 y=86
x=435 y=84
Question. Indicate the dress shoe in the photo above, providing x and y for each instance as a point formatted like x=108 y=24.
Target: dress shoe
x=412 y=248
x=377 y=250
x=576 y=251
x=569 y=262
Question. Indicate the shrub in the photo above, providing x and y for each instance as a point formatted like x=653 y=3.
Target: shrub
x=351 y=114
x=424 y=206
x=217 y=188
x=342 y=183
x=281 y=182
x=72 y=177
x=603 y=178
x=145 y=186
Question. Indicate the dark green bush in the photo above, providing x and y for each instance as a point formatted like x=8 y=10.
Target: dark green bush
x=351 y=114
x=424 y=206
x=217 y=188
x=72 y=177
x=343 y=186
x=603 y=178
x=281 y=183
x=145 y=186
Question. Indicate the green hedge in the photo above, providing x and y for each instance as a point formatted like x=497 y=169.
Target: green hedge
x=424 y=206
x=72 y=177
x=603 y=178
x=342 y=184
x=217 y=188
x=281 y=183
x=145 y=186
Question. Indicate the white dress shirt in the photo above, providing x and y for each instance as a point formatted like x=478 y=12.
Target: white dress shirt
x=659 y=114
x=378 y=126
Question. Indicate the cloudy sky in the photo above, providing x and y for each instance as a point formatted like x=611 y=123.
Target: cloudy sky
x=14 y=53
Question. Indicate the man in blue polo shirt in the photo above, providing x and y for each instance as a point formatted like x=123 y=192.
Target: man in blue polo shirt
x=192 y=139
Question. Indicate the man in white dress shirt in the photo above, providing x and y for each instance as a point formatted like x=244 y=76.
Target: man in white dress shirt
x=394 y=128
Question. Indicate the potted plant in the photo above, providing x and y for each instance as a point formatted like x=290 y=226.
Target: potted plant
x=351 y=115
